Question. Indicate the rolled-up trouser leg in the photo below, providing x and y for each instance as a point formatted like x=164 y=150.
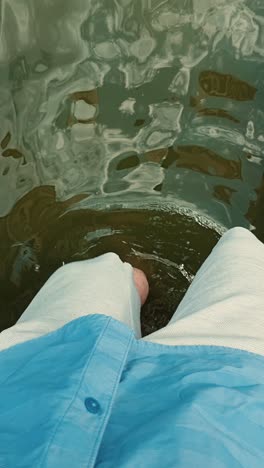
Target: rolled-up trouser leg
x=224 y=305
x=103 y=285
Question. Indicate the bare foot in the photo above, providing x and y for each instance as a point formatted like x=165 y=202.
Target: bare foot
x=142 y=285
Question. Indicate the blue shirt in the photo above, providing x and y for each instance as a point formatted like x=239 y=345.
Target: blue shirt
x=90 y=394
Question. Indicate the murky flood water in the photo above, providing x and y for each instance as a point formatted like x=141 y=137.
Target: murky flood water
x=131 y=126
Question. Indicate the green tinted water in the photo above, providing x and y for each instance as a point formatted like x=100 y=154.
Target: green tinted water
x=132 y=126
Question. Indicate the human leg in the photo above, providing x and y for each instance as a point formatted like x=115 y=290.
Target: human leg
x=103 y=285
x=224 y=305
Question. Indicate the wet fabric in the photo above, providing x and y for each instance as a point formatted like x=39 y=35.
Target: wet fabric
x=90 y=394
x=221 y=306
x=225 y=302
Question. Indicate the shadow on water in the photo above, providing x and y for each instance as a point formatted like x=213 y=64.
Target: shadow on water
x=38 y=236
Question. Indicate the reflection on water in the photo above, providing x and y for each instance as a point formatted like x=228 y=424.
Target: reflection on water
x=127 y=105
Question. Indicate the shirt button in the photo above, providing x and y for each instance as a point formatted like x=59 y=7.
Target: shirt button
x=92 y=405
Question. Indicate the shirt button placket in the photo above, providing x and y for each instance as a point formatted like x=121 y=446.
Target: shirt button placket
x=92 y=405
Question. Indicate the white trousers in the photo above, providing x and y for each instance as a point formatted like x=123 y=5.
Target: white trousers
x=224 y=305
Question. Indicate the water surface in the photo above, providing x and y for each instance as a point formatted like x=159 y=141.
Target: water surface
x=132 y=126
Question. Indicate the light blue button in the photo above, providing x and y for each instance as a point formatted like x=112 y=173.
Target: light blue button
x=92 y=405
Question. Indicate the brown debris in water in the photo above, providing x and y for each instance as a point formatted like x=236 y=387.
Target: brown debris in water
x=223 y=193
x=12 y=152
x=195 y=101
x=90 y=97
x=6 y=140
x=218 y=113
x=128 y=162
x=156 y=155
x=139 y=122
x=225 y=85
x=204 y=160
